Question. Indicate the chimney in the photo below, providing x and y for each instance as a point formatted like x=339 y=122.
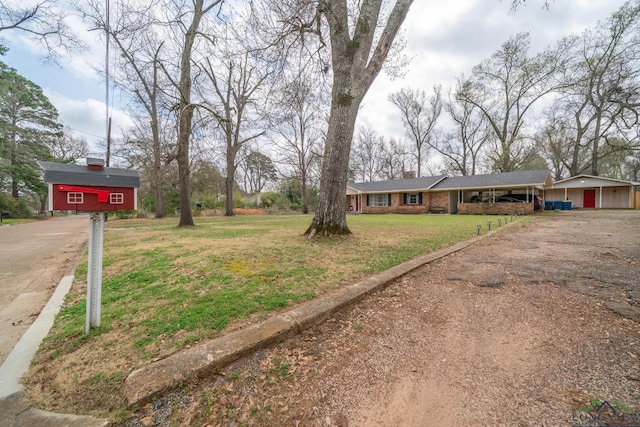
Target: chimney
x=95 y=164
x=409 y=174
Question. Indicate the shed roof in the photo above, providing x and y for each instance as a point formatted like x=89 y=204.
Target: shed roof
x=65 y=173
x=396 y=185
x=584 y=180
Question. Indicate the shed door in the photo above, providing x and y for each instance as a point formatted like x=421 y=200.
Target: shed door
x=589 y=198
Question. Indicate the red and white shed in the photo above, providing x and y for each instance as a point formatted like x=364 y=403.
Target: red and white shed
x=90 y=188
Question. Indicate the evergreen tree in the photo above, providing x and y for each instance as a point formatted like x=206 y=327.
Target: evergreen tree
x=28 y=123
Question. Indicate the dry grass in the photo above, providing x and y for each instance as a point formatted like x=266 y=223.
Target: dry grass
x=167 y=288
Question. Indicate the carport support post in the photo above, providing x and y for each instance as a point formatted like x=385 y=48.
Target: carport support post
x=94 y=270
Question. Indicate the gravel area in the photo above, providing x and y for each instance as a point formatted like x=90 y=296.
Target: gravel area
x=528 y=327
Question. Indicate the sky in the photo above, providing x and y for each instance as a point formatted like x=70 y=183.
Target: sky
x=444 y=40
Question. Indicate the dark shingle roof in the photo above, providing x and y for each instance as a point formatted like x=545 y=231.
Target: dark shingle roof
x=494 y=180
x=538 y=177
x=395 y=185
x=64 y=173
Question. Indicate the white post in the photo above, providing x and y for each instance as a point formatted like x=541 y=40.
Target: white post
x=600 y=198
x=94 y=270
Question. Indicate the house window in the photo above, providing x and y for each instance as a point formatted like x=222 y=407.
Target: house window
x=116 y=198
x=411 y=198
x=378 y=200
x=75 y=198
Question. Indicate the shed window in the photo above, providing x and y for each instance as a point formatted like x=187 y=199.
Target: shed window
x=379 y=200
x=116 y=198
x=75 y=198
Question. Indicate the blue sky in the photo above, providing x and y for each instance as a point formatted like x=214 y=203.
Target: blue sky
x=444 y=39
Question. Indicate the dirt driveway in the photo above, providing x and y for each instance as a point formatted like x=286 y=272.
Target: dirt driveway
x=528 y=327
x=33 y=258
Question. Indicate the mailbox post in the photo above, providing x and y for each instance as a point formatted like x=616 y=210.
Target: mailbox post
x=94 y=189
x=94 y=270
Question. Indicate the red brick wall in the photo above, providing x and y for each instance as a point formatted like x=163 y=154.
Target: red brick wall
x=395 y=203
x=439 y=199
x=429 y=199
x=495 y=208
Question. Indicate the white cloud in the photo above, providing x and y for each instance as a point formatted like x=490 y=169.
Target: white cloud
x=87 y=118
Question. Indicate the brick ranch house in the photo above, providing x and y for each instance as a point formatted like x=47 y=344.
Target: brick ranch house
x=443 y=194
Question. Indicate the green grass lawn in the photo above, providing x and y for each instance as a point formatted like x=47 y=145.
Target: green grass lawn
x=165 y=288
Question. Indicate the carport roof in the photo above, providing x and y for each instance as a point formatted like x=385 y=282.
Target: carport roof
x=532 y=178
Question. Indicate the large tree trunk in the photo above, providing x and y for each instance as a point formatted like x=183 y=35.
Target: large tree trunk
x=356 y=64
x=185 y=113
x=157 y=166
x=184 y=172
x=596 y=146
x=305 y=194
x=14 y=163
x=228 y=182
x=331 y=214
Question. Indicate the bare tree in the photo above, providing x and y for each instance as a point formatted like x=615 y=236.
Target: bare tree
x=504 y=88
x=419 y=117
x=392 y=161
x=42 y=21
x=257 y=170
x=463 y=146
x=68 y=148
x=188 y=21
x=136 y=37
x=360 y=37
x=235 y=91
x=597 y=103
x=298 y=129
x=367 y=154
x=608 y=81
x=356 y=62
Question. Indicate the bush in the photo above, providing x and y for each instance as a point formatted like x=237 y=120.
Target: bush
x=126 y=214
x=8 y=203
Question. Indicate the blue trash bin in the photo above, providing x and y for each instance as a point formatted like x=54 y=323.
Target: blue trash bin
x=557 y=205
x=548 y=205
x=567 y=205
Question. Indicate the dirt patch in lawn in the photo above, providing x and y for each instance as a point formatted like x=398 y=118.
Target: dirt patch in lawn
x=529 y=327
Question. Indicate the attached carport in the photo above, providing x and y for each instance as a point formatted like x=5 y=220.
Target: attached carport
x=465 y=190
x=587 y=191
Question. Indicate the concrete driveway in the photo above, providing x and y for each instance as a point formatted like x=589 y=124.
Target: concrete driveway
x=33 y=258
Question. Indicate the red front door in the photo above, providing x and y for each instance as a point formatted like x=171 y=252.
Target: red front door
x=589 y=198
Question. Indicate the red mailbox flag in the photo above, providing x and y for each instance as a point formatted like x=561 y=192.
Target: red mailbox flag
x=103 y=195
